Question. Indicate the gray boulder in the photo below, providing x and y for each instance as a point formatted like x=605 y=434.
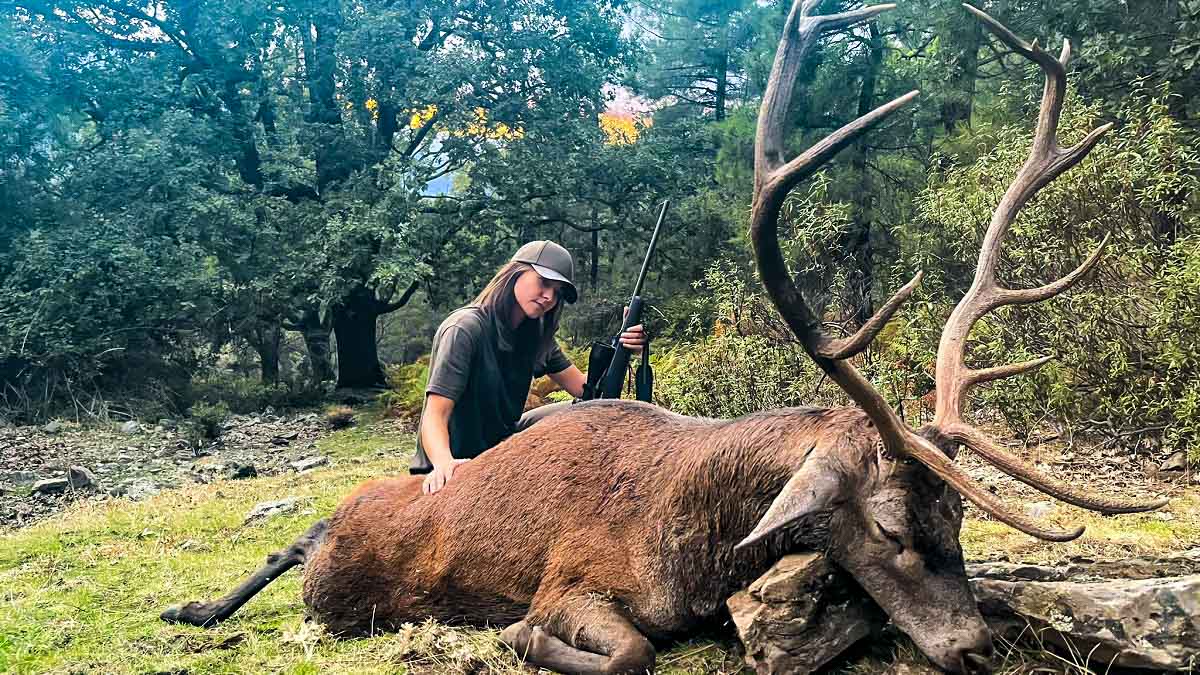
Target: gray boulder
x=801 y=614
x=1133 y=623
x=81 y=478
x=51 y=486
x=308 y=463
x=265 y=510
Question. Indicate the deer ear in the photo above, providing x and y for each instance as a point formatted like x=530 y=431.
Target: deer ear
x=815 y=487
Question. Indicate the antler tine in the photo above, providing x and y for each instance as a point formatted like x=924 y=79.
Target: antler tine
x=1046 y=162
x=773 y=178
x=953 y=379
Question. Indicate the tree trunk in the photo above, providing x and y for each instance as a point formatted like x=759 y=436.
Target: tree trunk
x=594 y=276
x=354 y=324
x=861 y=279
x=960 y=95
x=722 y=74
x=266 y=342
x=316 y=344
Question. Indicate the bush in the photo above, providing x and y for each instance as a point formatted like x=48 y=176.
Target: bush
x=339 y=416
x=406 y=388
x=207 y=419
x=242 y=394
x=1128 y=362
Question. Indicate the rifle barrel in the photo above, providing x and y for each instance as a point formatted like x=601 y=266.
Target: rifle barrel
x=637 y=290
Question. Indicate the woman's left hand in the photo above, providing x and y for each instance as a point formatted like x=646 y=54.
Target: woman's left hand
x=634 y=339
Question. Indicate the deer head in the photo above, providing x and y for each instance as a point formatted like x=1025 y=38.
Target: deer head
x=893 y=493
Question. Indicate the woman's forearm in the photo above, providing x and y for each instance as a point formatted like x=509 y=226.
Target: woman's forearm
x=435 y=430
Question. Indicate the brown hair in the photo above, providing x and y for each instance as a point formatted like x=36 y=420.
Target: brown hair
x=498 y=297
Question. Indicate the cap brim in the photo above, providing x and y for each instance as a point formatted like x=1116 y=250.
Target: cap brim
x=570 y=293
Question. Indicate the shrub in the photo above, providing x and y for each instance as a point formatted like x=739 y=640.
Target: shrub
x=208 y=418
x=1128 y=361
x=339 y=416
x=406 y=388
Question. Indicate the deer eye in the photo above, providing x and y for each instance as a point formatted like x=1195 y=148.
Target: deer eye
x=892 y=537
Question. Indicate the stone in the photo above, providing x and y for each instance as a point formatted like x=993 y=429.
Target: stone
x=81 y=478
x=140 y=489
x=308 y=463
x=213 y=467
x=51 y=486
x=1151 y=623
x=239 y=471
x=1176 y=462
x=801 y=614
x=264 y=510
x=1039 y=510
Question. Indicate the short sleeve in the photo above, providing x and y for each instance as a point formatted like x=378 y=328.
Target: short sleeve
x=554 y=362
x=450 y=362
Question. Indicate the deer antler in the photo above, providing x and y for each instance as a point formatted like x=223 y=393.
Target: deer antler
x=1047 y=160
x=774 y=177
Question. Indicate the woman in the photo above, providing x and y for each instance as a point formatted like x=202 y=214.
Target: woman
x=485 y=355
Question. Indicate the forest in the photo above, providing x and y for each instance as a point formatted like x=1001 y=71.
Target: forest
x=214 y=211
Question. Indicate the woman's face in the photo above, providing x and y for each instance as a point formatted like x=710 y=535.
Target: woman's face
x=536 y=295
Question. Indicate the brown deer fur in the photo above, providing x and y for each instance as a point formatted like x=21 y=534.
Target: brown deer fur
x=615 y=523
x=623 y=505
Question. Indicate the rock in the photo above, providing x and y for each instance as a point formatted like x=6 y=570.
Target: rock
x=212 y=467
x=1039 y=510
x=51 y=486
x=139 y=489
x=130 y=427
x=264 y=510
x=81 y=478
x=801 y=614
x=308 y=463
x=1176 y=462
x=1139 y=623
x=239 y=471
x=52 y=427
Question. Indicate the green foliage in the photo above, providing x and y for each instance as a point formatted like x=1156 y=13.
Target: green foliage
x=746 y=362
x=208 y=418
x=242 y=395
x=406 y=394
x=1126 y=360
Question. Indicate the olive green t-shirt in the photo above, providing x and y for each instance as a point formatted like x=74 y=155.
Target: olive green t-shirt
x=485 y=366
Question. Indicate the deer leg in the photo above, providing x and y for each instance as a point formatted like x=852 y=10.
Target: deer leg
x=205 y=614
x=602 y=642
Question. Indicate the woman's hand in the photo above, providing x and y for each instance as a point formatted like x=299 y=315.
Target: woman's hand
x=634 y=339
x=440 y=476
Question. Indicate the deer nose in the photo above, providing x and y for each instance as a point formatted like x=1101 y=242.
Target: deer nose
x=976 y=660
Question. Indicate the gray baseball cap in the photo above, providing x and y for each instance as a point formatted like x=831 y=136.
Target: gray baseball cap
x=550 y=261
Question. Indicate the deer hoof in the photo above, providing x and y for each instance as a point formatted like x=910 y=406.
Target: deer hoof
x=193 y=613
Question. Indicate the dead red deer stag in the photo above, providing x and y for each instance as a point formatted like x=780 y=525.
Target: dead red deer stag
x=617 y=523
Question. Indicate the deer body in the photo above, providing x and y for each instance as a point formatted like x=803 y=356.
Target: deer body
x=615 y=523
x=614 y=499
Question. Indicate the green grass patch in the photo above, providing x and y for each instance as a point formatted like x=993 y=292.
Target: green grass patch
x=1173 y=529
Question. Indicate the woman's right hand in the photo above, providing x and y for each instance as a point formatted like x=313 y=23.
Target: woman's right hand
x=440 y=476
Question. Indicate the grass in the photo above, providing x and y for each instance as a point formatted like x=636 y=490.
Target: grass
x=1105 y=537
x=81 y=592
